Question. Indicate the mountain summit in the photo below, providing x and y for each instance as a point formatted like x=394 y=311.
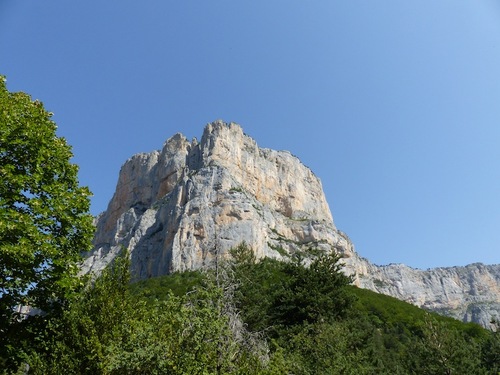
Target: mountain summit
x=185 y=206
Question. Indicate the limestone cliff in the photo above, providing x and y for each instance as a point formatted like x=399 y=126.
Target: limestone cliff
x=183 y=207
x=470 y=293
x=186 y=205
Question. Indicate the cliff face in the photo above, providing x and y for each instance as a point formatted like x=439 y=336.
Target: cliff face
x=185 y=206
x=470 y=293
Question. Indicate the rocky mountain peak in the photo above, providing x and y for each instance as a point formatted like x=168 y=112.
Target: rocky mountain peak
x=184 y=206
x=181 y=207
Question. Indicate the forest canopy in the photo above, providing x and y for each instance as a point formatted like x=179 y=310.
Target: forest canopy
x=253 y=317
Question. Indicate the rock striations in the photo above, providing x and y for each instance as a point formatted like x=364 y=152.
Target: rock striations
x=185 y=206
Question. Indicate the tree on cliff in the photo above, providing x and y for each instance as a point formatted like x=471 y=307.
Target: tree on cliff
x=44 y=213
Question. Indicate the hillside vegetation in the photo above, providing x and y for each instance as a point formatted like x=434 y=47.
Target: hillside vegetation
x=252 y=317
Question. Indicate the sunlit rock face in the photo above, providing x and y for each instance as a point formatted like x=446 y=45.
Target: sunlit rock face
x=185 y=206
x=470 y=293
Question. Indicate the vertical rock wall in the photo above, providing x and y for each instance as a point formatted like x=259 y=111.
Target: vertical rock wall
x=183 y=207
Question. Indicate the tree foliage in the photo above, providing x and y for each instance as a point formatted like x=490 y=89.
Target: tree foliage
x=311 y=294
x=441 y=349
x=44 y=219
x=491 y=350
x=112 y=328
x=207 y=322
x=323 y=325
x=278 y=295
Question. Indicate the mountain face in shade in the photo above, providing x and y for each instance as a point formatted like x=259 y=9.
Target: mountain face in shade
x=185 y=206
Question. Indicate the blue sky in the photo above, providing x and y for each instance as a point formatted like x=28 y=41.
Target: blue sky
x=395 y=105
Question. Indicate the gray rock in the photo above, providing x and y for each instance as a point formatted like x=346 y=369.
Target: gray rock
x=182 y=207
x=185 y=206
x=470 y=293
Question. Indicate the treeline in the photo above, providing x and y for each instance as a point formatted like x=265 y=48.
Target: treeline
x=247 y=317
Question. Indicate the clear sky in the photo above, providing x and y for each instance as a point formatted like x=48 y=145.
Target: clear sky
x=394 y=104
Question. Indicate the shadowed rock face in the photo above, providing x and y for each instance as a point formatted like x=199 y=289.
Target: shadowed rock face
x=185 y=206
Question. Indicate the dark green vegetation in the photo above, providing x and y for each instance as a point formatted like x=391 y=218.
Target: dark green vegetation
x=322 y=325
x=252 y=317
x=301 y=316
x=44 y=219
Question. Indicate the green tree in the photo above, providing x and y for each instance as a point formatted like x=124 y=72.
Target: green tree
x=311 y=294
x=274 y=295
x=111 y=328
x=256 y=286
x=44 y=219
x=79 y=340
x=444 y=350
x=491 y=350
x=326 y=348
